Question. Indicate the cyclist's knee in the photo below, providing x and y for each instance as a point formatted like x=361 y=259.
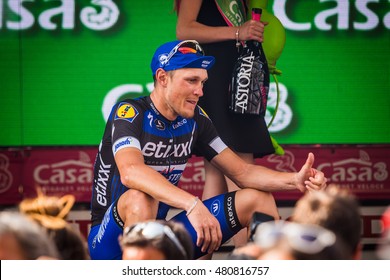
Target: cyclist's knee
x=135 y=206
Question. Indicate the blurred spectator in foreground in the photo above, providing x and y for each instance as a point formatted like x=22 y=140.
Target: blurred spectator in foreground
x=51 y=212
x=250 y=251
x=282 y=240
x=23 y=239
x=335 y=209
x=156 y=240
x=383 y=248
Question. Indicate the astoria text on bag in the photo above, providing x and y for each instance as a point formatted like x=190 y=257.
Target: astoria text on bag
x=249 y=86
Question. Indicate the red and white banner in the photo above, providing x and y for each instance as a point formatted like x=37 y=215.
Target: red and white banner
x=362 y=169
x=57 y=171
x=61 y=171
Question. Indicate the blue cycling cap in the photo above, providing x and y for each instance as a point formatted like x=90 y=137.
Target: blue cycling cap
x=180 y=54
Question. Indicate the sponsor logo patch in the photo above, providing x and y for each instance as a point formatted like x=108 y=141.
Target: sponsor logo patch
x=230 y=212
x=205 y=63
x=160 y=125
x=122 y=143
x=126 y=112
x=179 y=123
x=215 y=207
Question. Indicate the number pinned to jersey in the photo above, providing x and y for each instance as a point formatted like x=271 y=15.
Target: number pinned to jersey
x=126 y=112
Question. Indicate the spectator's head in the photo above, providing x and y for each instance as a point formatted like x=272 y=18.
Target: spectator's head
x=250 y=251
x=50 y=212
x=335 y=209
x=23 y=239
x=155 y=240
x=292 y=241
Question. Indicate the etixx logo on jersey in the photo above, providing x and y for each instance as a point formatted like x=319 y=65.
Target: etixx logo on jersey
x=126 y=112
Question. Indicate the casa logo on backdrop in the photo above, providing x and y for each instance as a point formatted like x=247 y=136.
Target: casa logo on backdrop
x=104 y=14
x=98 y=15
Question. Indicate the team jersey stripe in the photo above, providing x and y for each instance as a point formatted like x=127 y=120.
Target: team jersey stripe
x=218 y=145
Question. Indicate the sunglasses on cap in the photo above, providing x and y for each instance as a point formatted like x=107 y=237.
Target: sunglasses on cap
x=154 y=230
x=308 y=239
x=184 y=47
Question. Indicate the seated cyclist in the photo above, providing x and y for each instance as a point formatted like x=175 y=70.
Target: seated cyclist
x=144 y=150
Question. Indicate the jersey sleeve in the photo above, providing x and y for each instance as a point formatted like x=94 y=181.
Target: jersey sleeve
x=126 y=126
x=209 y=144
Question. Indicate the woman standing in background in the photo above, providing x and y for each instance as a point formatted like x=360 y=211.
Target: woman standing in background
x=219 y=26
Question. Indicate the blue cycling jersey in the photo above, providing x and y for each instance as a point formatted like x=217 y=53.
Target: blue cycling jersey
x=166 y=147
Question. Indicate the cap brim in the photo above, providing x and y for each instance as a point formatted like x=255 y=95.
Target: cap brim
x=190 y=61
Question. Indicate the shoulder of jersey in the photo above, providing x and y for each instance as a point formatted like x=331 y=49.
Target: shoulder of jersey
x=202 y=112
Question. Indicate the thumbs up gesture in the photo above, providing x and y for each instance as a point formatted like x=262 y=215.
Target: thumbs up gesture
x=309 y=178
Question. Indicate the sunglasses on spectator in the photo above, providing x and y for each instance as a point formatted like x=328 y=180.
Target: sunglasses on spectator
x=308 y=239
x=154 y=230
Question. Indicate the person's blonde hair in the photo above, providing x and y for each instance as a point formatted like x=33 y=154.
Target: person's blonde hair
x=49 y=211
